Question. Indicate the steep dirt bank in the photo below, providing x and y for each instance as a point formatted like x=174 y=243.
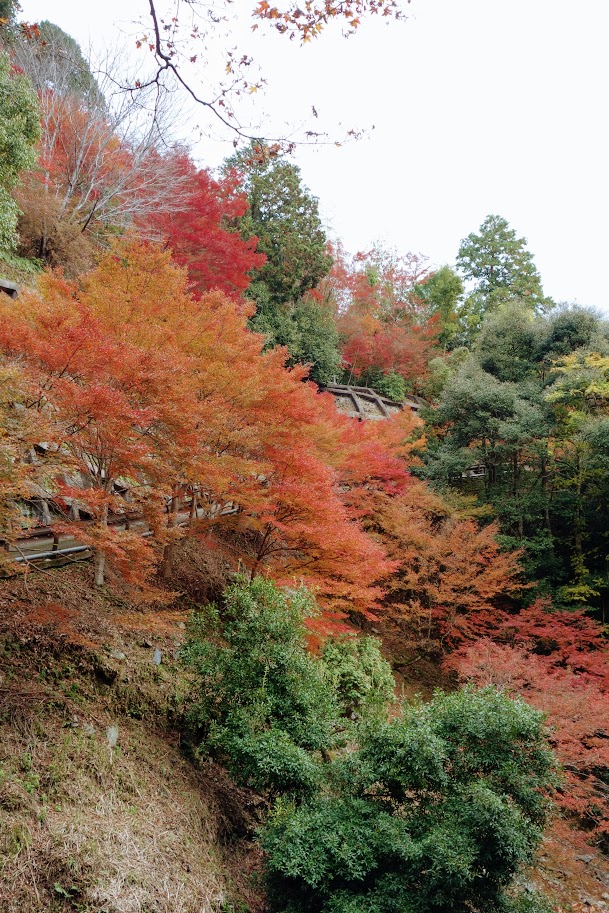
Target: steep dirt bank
x=99 y=809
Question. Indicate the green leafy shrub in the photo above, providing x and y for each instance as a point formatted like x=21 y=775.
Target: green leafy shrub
x=436 y=811
x=392 y=385
x=262 y=704
x=19 y=133
x=529 y=902
x=358 y=674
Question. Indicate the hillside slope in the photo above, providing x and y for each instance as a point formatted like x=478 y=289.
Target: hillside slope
x=99 y=809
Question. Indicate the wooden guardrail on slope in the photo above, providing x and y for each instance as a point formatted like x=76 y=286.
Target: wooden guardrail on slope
x=365 y=403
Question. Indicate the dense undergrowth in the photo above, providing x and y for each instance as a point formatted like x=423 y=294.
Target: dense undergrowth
x=78 y=664
x=436 y=809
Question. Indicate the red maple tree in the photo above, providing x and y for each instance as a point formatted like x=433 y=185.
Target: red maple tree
x=199 y=234
x=576 y=705
x=382 y=321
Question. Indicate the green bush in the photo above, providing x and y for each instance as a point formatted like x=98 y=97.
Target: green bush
x=430 y=812
x=19 y=133
x=361 y=679
x=391 y=385
x=262 y=704
x=436 y=811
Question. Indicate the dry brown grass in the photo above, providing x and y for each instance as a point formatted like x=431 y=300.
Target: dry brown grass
x=85 y=827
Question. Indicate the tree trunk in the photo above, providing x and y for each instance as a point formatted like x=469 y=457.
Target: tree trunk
x=193 y=508
x=544 y=488
x=578 y=513
x=516 y=493
x=169 y=550
x=100 y=556
x=100 y=566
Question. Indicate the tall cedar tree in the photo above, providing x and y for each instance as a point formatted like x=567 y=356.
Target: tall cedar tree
x=284 y=216
x=498 y=265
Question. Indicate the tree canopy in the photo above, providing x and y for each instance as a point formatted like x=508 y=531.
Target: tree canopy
x=19 y=133
x=284 y=216
x=499 y=267
x=436 y=811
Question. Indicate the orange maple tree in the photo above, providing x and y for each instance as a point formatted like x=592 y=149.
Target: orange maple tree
x=169 y=396
x=451 y=574
x=263 y=439
x=19 y=433
x=100 y=400
x=324 y=470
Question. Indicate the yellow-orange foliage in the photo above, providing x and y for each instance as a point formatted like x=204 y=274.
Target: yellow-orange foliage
x=450 y=571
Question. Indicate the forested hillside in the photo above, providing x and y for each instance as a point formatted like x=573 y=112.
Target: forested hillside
x=257 y=653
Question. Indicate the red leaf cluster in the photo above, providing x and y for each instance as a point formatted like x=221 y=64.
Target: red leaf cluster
x=559 y=662
x=199 y=234
x=381 y=319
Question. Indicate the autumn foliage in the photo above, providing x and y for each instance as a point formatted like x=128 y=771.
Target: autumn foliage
x=93 y=179
x=450 y=573
x=381 y=317
x=136 y=382
x=199 y=234
x=137 y=401
x=559 y=662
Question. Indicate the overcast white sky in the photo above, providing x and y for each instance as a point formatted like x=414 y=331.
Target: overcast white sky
x=479 y=106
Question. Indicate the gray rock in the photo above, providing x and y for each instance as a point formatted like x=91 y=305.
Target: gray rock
x=112 y=736
x=117 y=654
x=88 y=729
x=157 y=659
